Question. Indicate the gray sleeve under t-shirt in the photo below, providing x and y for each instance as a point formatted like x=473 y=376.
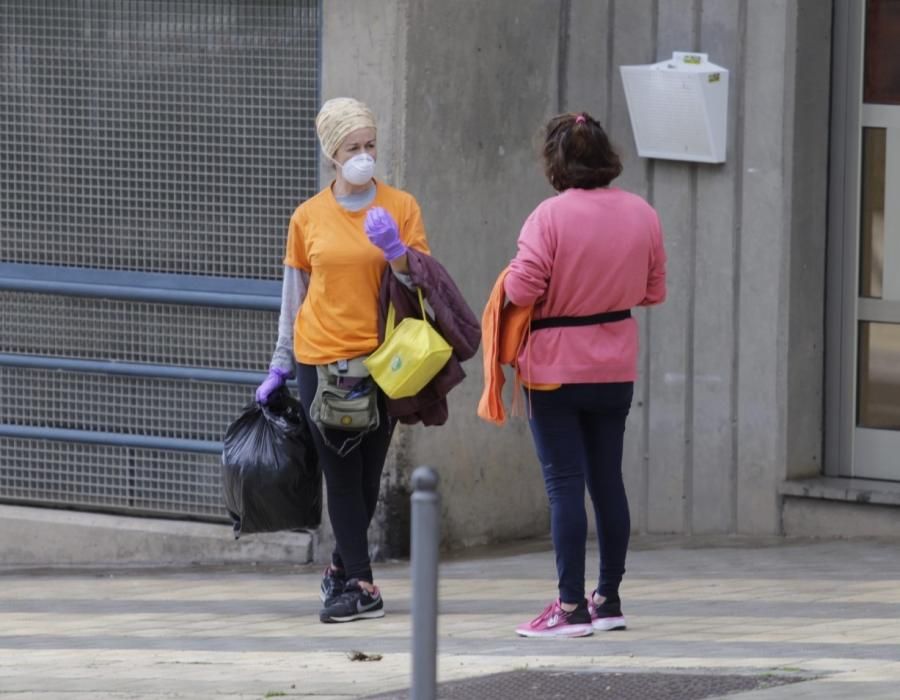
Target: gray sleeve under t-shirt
x=293 y=292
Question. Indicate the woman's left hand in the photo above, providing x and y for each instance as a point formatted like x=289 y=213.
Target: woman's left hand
x=383 y=232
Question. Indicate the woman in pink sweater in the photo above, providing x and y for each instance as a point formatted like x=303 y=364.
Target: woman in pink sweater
x=586 y=257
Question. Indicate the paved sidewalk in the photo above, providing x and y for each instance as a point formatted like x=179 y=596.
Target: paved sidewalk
x=828 y=610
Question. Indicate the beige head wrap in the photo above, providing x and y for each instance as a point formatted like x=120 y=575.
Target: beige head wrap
x=337 y=118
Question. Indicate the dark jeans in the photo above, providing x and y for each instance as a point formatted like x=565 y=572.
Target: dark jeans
x=578 y=431
x=352 y=482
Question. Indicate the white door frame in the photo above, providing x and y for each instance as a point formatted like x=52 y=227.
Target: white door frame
x=843 y=247
x=849 y=449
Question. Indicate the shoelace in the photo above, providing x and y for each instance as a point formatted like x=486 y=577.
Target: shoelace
x=546 y=613
x=353 y=586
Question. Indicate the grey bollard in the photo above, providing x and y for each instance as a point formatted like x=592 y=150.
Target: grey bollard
x=425 y=536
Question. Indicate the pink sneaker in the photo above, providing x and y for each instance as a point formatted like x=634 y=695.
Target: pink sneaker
x=556 y=622
x=606 y=616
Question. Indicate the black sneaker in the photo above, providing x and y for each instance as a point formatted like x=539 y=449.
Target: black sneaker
x=333 y=584
x=355 y=603
x=607 y=615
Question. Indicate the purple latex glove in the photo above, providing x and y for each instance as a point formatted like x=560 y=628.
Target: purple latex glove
x=383 y=232
x=273 y=382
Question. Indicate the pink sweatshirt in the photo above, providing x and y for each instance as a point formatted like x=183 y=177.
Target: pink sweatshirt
x=585 y=252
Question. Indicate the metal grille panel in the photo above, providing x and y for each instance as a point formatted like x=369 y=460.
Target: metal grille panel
x=126 y=331
x=177 y=482
x=63 y=473
x=160 y=136
x=587 y=685
x=164 y=135
x=187 y=410
x=111 y=478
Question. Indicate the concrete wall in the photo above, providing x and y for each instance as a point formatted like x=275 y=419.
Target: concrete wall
x=38 y=537
x=805 y=517
x=729 y=399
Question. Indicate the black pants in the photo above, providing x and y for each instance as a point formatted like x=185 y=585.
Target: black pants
x=352 y=482
x=579 y=431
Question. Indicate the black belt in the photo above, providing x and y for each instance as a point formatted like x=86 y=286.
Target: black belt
x=558 y=321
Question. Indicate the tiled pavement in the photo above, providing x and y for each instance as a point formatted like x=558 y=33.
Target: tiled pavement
x=826 y=610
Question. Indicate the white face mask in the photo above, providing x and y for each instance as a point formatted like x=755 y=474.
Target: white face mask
x=359 y=169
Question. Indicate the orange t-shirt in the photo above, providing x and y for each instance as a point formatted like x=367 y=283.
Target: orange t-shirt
x=339 y=317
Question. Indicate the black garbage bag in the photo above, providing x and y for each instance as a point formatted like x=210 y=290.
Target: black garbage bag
x=271 y=478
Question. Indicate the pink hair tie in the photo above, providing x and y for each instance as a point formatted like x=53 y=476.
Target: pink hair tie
x=580 y=119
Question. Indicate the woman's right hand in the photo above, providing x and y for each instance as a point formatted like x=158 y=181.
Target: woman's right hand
x=273 y=382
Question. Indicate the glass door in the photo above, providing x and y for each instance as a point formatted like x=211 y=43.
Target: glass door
x=876 y=438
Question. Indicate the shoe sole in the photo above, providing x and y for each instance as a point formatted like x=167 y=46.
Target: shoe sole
x=608 y=624
x=370 y=615
x=561 y=632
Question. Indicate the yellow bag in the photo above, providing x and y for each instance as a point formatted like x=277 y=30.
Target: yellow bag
x=410 y=356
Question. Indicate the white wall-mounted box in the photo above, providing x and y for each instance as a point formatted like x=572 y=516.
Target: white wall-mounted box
x=678 y=108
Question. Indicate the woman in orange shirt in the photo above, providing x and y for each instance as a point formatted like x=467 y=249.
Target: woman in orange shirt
x=339 y=244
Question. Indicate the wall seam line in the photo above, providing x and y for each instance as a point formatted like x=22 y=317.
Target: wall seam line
x=562 y=56
x=648 y=320
x=610 y=62
x=688 y=479
x=736 y=266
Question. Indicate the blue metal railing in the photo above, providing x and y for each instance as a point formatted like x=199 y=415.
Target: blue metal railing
x=132 y=369
x=132 y=286
x=93 y=437
x=237 y=293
